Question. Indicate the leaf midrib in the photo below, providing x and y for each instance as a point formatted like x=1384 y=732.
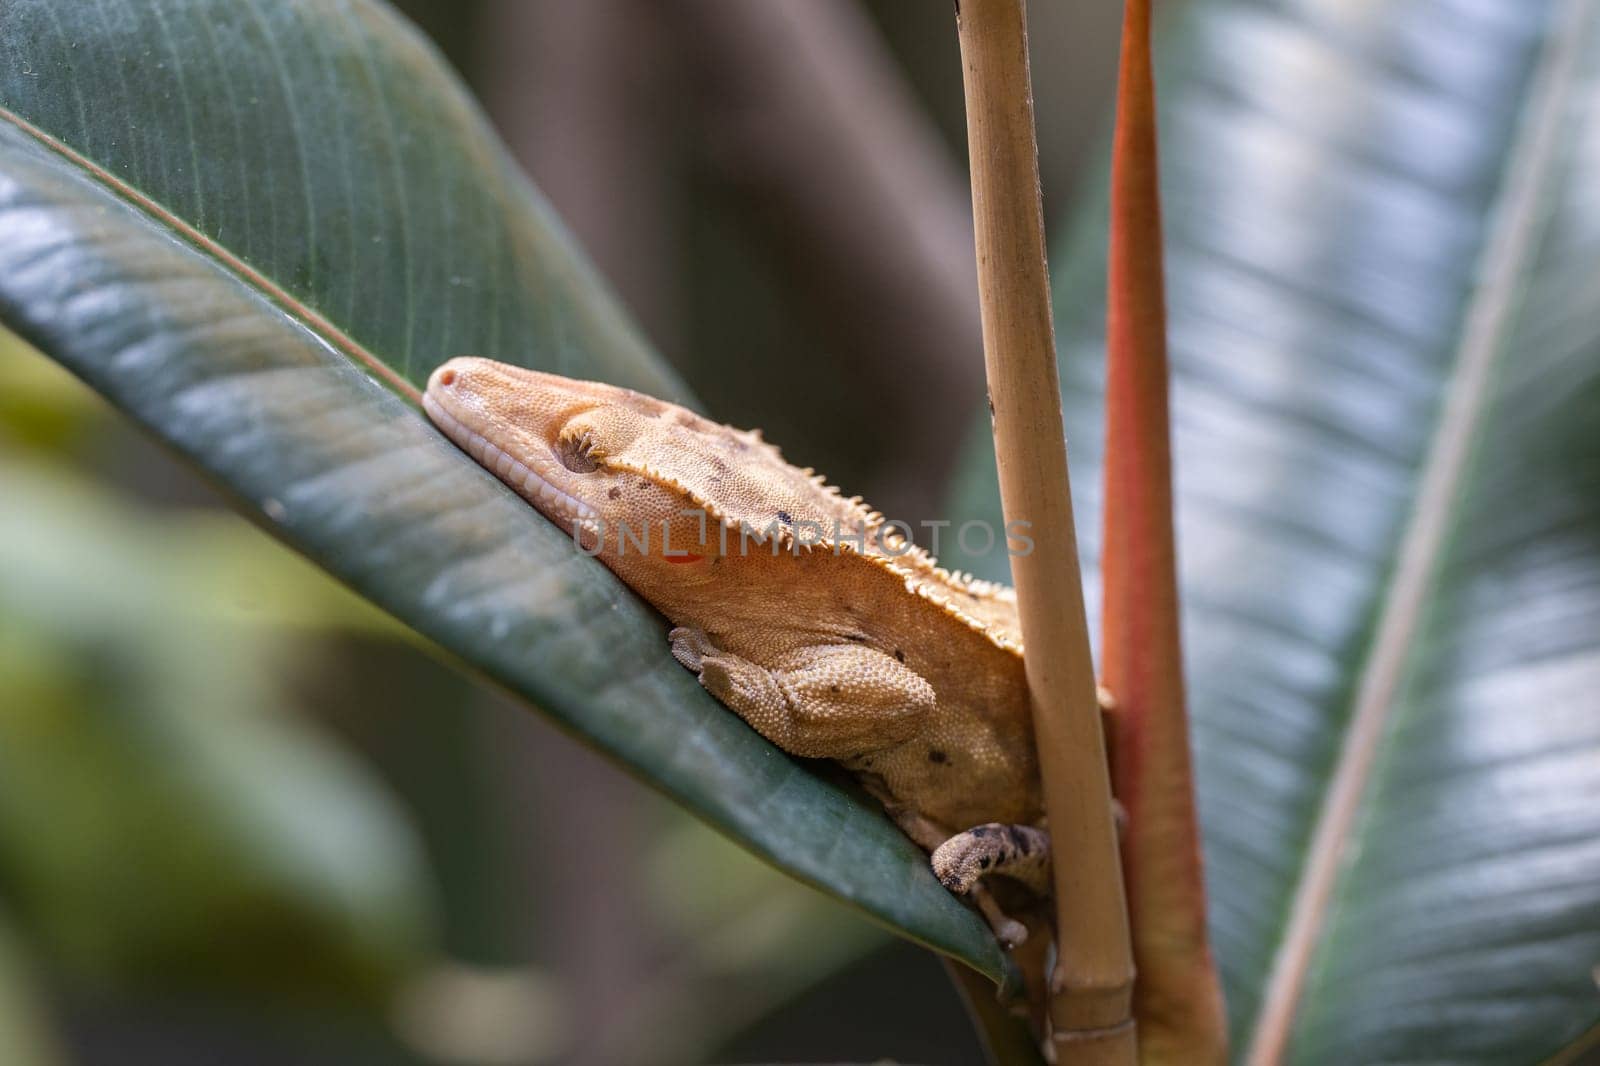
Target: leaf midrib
x=242 y=271
x=1517 y=223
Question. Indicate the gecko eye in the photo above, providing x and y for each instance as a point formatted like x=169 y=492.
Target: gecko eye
x=576 y=454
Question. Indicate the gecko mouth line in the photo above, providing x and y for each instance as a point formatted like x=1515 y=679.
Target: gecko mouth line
x=506 y=467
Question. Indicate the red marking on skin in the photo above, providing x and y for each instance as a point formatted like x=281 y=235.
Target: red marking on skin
x=447 y=378
x=686 y=557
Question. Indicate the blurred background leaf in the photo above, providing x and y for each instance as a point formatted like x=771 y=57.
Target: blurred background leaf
x=139 y=721
x=25 y=1039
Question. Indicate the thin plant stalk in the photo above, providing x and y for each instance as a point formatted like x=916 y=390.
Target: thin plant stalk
x=1092 y=984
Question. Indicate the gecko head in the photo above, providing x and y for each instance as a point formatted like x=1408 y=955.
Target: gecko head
x=593 y=457
x=548 y=437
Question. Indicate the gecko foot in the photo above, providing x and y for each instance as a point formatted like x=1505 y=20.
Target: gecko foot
x=1021 y=852
x=961 y=861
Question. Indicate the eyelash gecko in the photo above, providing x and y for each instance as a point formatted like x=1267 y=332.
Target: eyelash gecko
x=799 y=608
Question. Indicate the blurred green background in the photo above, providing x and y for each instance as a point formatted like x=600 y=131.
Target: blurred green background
x=245 y=818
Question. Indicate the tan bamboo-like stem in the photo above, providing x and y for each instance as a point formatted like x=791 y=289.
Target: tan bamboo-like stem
x=1090 y=1007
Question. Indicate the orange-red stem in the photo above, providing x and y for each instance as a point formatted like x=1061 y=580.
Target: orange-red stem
x=1177 y=997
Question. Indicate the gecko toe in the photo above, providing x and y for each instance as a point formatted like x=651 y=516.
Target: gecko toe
x=688 y=646
x=1011 y=933
x=714 y=677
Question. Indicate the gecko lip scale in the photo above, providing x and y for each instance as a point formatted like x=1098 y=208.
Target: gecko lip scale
x=506 y=467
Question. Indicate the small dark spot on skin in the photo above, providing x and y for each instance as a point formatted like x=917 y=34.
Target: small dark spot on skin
x=716 y=560
x=644 y=483
x=986 y=396
x=833 y=689
x=937 y=756
x=614 y=494
x=900 y=655
x=857 y=637
x=982 y=831
x=783 y=516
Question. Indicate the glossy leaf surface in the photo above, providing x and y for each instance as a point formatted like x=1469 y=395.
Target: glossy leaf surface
x=233 y=219
x=1382 y=250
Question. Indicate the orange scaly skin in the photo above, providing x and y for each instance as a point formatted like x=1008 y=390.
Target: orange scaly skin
x=859 y=649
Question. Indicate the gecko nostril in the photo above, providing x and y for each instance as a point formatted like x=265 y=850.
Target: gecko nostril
x=447 y=377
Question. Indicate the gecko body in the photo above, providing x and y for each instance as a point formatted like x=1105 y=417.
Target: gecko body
x=797 y=607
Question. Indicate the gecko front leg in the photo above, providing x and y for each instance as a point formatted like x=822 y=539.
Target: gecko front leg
x=830 y=701
x=1020 y=852
x=977 y=852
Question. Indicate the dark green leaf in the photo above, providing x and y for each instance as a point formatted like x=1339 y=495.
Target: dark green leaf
x=228 y=216
x=1368 y=205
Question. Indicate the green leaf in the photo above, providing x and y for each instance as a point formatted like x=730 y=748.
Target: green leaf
x=233 y=218
x=1383 y=250
x=25 y=1037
